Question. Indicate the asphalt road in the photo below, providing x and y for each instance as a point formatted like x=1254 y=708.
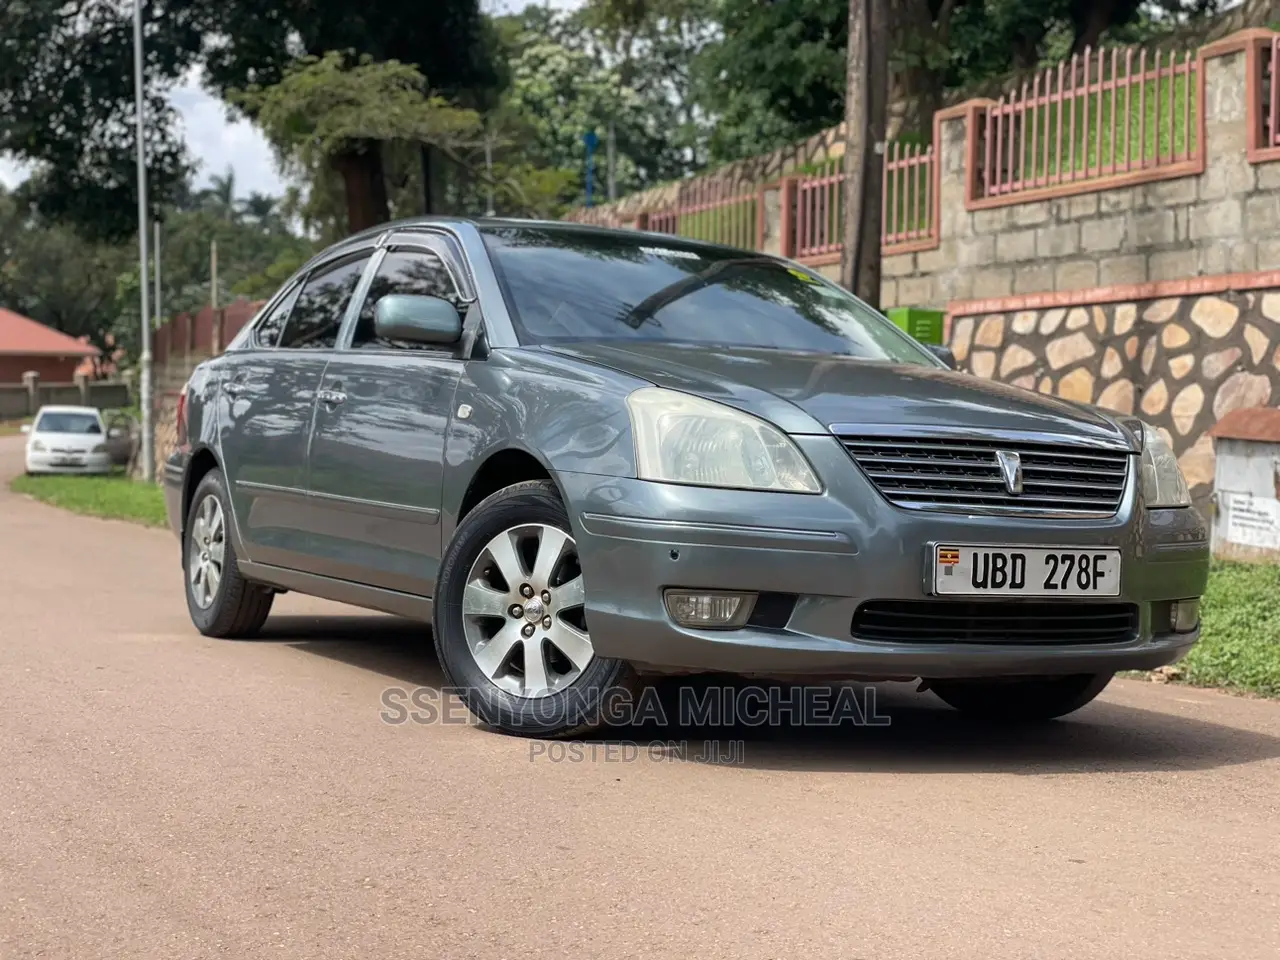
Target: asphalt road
x=167 y=796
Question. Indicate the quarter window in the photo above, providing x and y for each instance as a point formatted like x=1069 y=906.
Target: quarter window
x=317 y=314
x=267 y=333
x=420 y=272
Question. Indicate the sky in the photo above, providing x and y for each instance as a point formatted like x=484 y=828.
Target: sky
x=220 y=142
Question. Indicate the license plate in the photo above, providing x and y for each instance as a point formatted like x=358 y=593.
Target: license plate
x=970 y=571
x=66 y=462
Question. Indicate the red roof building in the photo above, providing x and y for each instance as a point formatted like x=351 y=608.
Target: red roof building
x=27 y=345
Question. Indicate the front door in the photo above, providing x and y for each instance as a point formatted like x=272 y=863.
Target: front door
x=268 y=394
x=377 y=449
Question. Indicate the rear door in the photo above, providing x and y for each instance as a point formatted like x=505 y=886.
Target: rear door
x=268 y=401
x=377 y=448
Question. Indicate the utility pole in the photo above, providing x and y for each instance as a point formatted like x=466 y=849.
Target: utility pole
x=148 y=410
x=488 y=170
x=866 y=103
x=611 y=152
x=159 y=312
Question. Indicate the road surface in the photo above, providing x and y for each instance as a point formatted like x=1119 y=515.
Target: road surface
x=163 y=795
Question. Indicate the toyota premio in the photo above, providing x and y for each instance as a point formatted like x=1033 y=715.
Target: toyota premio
x=587 y=456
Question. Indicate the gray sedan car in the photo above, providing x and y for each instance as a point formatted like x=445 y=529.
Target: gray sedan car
x=587 y=456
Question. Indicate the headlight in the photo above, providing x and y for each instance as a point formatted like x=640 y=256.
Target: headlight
x=37 y=446
x=684 y=439
x=1163 y=484
x=100 y=448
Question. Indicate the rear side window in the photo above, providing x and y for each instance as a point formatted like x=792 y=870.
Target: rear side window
x=317 y=315
x=267 y=332
x=419 y=272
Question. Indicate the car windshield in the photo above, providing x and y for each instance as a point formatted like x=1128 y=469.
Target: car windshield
x=571 y=284
x=64 y=422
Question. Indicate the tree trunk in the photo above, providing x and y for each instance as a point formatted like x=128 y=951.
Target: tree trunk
x=1096 y=20
x=364 y=185
x=866 y=99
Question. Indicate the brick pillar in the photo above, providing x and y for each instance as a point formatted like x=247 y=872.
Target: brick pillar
x=31 y=380
x=82 y=385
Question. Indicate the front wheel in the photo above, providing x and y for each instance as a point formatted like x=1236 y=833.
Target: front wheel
x=1021 y=701
x=510 y=620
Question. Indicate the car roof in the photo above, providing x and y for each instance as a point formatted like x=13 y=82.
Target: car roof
x=409 y=224
x=64 y=408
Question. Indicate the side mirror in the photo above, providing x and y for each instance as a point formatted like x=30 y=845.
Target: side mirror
x=417 y=319
x=25 y=428
x=943 y=353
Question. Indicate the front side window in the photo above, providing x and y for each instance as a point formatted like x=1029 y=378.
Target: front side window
x=317 y=314
x=419 y=272
x=64 y=422
x=564 y=283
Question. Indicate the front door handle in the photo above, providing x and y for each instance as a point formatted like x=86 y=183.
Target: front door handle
x=234 y=388
x=331 y=396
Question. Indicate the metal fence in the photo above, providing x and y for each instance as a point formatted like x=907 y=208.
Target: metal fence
x=1098 y=114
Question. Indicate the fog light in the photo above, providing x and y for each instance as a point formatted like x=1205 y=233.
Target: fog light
x=709 y=609
x=1184 y=615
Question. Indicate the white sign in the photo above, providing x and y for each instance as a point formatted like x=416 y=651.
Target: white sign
x=1253 y=521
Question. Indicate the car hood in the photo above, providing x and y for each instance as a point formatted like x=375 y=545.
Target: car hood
x=809 y=393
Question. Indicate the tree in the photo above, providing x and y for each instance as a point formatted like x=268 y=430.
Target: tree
x=66 y=81
x=328 y=112
x=865 y=113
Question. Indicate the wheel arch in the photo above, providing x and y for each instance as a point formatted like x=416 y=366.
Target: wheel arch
x=501 y=469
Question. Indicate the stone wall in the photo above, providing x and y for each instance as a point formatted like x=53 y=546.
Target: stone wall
x=1180 y=363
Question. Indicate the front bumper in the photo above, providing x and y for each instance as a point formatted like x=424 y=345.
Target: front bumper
x=836 y=551
x=45 y=462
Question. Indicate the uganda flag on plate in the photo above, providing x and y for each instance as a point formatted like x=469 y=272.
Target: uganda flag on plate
x=948 y=556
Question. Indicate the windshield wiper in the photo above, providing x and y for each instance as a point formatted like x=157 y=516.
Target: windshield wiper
x=643 y=311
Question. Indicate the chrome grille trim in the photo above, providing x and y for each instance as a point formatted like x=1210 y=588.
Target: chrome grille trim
x=962 y=475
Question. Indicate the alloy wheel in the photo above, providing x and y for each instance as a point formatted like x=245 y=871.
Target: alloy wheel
x=523 y=614
x=206 y=552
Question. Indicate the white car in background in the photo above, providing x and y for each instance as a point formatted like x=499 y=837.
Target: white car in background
x=67 y=440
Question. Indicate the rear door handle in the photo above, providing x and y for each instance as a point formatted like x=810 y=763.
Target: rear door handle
x=331 y=396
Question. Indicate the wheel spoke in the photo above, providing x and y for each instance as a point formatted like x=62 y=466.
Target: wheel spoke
x=551 y=546
x=479 y=600
x=196 y=568
x=502 y=549
x=568 y=595
x=206 y=511
x=212 y=577
x=197 y=528
x=535 y=667
x=572 y=642
x=215 y=525
x=217 y=550
x=491 y=656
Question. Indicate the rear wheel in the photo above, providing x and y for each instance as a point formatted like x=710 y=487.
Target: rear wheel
x=1021 y=701
x=221 y=602
x=510 y=619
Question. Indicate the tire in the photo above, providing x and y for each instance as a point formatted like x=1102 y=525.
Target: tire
x=1021 y=701
x=234 y=608
x=485 y=648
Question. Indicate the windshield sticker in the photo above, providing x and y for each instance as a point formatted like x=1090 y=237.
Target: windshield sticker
x=801 y=275
x=668 y=252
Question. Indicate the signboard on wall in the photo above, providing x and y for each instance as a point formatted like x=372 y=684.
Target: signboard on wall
x=1252 y=521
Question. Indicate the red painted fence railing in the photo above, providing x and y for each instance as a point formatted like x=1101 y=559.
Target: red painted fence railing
x=716 y=211
x=1097 y=115
x=908 y=212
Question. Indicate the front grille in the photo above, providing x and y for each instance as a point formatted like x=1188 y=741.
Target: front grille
x=946 y=474
x=995 y=621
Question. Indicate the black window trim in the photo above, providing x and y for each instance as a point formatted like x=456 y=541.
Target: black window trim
x=428 y=242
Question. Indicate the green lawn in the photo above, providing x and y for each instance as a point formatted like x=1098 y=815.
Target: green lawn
x=9 y=428
x=113 y=496
x=1240 y=638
